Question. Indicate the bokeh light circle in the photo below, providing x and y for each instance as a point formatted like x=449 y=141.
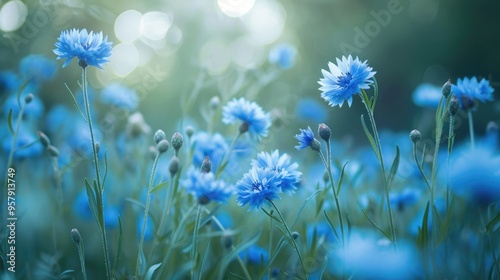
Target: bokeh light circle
x=12 y=15
x=128 y=26
x=235 y=8
x=125 y=59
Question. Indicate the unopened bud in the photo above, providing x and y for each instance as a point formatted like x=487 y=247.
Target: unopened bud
x=153 y=152
x=315 y=145
x=324 y=132
x=326 y=177
x=177 y=141
x=214 y=103
x=446 y=90
x=97 y=147
x=75 y=235
x=159 y=135
x=295 y=235
x=44 y=139
x=415 y=136
x=227 y=241
x=173 y=166
x=454 y=106
x=163 y=146
x=189 y=131
x=206 y=165
x=243 y=127
x=28 y=98
x=53 y=151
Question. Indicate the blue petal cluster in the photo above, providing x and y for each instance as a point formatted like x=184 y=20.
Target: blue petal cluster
x=37 y=68
x=257 y=186
x=286 y=171
x=471 y=89
x=249 y=113
x=119 y=96
x=283 y=55
x=427 y=95
x=90 y=48
x=207 y=145
x=345 y=79
x=205 y=187
x=305 y=138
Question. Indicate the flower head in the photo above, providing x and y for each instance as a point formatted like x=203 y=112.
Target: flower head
x=283 y=55
x=286 y=171
x=119 y=96
x=38 y=68
x=306 y=139
x=257 y=186
x=205 y=187
x=250 y=113
x=90 y=48
x=344 y=80
x=427 y=95
x=466 y=90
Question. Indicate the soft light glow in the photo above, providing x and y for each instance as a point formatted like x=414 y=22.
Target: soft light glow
x=128 y=26
x=265 y=22
x=235 y=8
x=12 y=15
x=246 y=54
x=154 y=25
x=124 y=59
x=214 y=57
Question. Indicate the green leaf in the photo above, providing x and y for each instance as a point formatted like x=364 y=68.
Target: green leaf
x=119 y=250
x=105 y=169
x=142 y=262
x=9 y=121
x=375 y=94
x=75 y=103
x=394 y=168
x=209 y=216
x=238 y=249
x=151 y=270
x=136 y=203
x=376 y=226
x=272 y=216
x=370 y=137
x=366 y=99
x=92 y=202
x=447 y=222
x=160 y=186
x=100 y=207
x=306 y=202
x=492 y=223
x=341 y=179
x=332 y=226
x=423 y=234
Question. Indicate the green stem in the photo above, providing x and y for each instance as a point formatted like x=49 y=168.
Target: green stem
x=294 y=244
x=381 y=161
x=471 y=129
x=420 y=167
x=450 y=147
x=165 y=213
x=81 y=255
x=225 y=158
x=146 y=212
x=195 y=241
x=96 y=165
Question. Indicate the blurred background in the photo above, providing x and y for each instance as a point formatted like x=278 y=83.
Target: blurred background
x=170 y=51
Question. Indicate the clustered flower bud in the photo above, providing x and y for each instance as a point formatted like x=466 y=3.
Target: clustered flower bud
x=446 y=90
x=177 y=141
x=162 y=146
x=206 y=165
x=324 y=132
x=159 y=135
x=173 y=166
x=454 y=106
x=415 y=136
x=75 y=236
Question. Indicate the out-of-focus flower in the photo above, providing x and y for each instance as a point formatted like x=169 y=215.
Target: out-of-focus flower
x=33 y=110
x=257 y=186
x=205 y=187
x=207 y=145
x=427 y=95
x=9 y=83
x=283 y=55
x=253 y=118
x=149 y=232
x=27 y=144
x=406 y=198
x=323 y=232
x=37 y=68
x=90 y=48
x=467 y=90
x=286 y=171
x=255 y=254
x=475 y=175
x=136 y=125
x=119 y=96
x=344 y=80
x=308 y=109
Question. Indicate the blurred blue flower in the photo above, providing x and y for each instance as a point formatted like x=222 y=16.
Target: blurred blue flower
x=149 y=232
x=37 y=68
x=207 y=145
x=205 y=187
x=344 y=80
x=250 y=113
x=225 y=219
x=58 y=120
x=79 y=138
x=90 y=48
x=9 y=83
x=256 y=187
x=286 y=171
x=33 y=110
x=283 y=55
x=308 y=109
x=255 y=255
x=475 y=175
x=305 y=138
x=427 y=95
x=406 y=198
x=81 y=206
x=323 y=231
x=467 y=90
x=111 y=214
x=119 y=96
x=24 y=139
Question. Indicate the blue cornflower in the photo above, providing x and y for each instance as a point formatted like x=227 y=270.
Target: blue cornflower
x=257 y=186
x=286 y=172
x=119 y=96
x=427 y=95
x=207 y=145
x=254 y=255
x=27 y=145
x=33 y=110
x=344 y=80
x=466 y=90
x=205 y=187
x=476 y=175
x=283 y=55
x=90 y=48
x=306 y=139
x=149 y=232
x=37 y=68
x=254 y=119
x=9 y=83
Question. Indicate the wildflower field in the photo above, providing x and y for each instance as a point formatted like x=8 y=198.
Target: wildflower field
x=249 y=139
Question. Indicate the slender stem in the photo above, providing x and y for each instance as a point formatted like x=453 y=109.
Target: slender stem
x=270 y=247
x=146 y=212
x=294 y=244
x=195 y=241
x=225 y=158
x=96 y=165
x=450 y=146
x=420 y=167
x=471 y=129
x=81 y=255
x=384 y=176
x=164 y=214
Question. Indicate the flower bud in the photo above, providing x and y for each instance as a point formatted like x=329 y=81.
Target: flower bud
x=159 y=135
x=177 y=141
x=97 y=147
x=316 y=145
x=227 y=241
x=53 y=151
x=173 y=166
x=203 y=200
x=243 y=127
x=324 y=132
x=206 y=165
x=163 y=146
x=295 y=235
x=75 y=235
x=44 y=139
x=28 y=98
x=454 y=106
x=446 y=90
x=214 y=103
x=415 y=136
x=153 y=152
x=189 y=131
